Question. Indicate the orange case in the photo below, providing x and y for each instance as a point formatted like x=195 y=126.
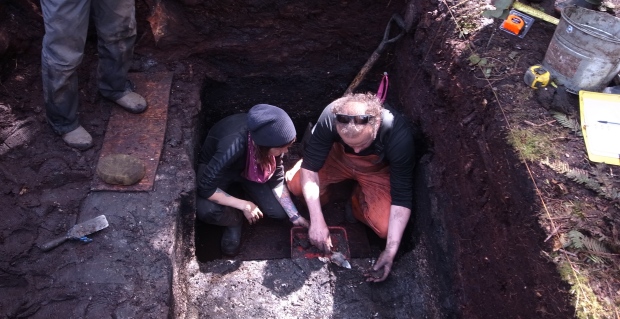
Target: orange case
x=513 y=23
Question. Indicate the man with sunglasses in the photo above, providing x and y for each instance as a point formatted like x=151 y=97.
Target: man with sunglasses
x=356 y=138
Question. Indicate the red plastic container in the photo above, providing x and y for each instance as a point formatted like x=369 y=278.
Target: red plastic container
x=302 y=248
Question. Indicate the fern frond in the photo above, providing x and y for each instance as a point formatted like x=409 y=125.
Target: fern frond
x=596 y=259
x=594 y=245
x=601 y=183
x=582 y=177
x=576 y=239
x=556 y=165
x=568 y=122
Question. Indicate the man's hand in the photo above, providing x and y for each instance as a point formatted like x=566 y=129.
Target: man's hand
x=398 y=221
x=319 y=236
x=381 y=269
x=252 y=212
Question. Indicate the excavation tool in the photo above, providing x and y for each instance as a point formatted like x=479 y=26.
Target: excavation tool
x=302 y=248
x=79 y=232
x=537 y=76
x=339 y=259
x=535 y=13
x=503 y=10
x=396 y=19
x=517 y=23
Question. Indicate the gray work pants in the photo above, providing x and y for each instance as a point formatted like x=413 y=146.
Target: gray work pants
x=66 y=27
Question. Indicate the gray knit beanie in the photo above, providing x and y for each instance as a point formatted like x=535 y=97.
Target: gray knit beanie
x=270 y=126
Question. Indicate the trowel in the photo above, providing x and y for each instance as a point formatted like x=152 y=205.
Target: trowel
x=301 y=247
x=339 y=259
x=79 y=232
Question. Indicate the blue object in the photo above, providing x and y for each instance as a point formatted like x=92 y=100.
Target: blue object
x=85 y=239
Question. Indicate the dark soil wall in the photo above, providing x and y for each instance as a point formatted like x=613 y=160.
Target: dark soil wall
x=323 y=41
x=483 y=214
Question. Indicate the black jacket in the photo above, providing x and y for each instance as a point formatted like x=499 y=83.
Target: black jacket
x=224 y=154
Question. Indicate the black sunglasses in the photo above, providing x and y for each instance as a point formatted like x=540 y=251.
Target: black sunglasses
x=357 y=119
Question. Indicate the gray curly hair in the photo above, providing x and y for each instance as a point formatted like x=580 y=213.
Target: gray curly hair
x=373 y=108
x=373 y=104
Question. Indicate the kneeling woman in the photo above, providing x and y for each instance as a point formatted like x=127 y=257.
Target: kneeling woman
x=245 y=149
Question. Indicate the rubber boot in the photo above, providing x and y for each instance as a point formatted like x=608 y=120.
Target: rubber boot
x=231 y=240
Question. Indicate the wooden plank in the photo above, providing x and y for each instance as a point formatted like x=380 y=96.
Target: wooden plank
x=139 y=135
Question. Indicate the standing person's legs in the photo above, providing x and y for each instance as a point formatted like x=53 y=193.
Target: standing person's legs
x=116 y=30
x=66 y=26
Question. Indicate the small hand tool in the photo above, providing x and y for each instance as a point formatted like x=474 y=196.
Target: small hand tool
x=537 y=76
x=517 y=23
x=339 y=259
x=79 y=232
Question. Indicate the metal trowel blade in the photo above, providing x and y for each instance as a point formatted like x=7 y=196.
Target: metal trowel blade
x=78 y=231
x=88 y=227
x=339 y=259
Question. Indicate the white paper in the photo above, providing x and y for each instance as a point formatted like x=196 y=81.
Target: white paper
x=602 y=125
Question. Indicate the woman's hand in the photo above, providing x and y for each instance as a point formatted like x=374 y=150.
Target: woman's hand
x=251 y=212
x=300 y=221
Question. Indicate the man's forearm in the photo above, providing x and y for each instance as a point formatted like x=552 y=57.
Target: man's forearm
x=310 y=188
x=399 y=216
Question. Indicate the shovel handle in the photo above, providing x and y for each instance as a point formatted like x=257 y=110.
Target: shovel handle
x=53 y=244
x=377 y=53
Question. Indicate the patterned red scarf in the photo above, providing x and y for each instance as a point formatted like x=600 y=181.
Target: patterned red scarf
x=253 y=170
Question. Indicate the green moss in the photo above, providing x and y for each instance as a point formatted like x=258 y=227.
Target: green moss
x=531 y=145
x=585 y=301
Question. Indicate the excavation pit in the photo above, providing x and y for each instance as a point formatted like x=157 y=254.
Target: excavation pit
x=473 y=250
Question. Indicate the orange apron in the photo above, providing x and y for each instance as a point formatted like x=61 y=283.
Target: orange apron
x=371 y=199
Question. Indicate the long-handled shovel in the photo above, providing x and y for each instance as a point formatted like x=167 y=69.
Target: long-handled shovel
x=79 y=232
x=375 y=55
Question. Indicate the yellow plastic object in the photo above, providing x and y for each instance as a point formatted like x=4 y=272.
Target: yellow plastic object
x=535 y=13
x=600 y=124
x=537 y=76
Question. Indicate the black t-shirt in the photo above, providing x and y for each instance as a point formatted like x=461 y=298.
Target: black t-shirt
x=224 y=154
x=393 y=145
